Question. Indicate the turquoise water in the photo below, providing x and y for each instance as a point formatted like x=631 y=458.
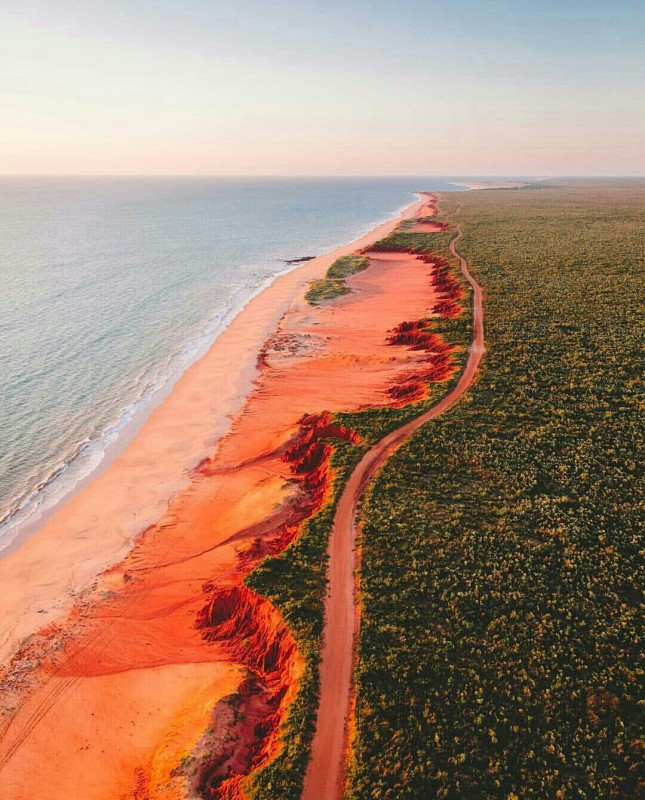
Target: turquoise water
x=110 y=287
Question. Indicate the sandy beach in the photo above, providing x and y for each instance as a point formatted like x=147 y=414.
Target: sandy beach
x=104 y=609
x=134 y=491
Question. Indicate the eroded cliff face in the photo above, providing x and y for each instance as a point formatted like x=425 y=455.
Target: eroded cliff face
x=253 y=633
x=439 y=364
x=248 y=627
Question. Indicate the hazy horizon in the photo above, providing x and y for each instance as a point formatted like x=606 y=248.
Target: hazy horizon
x=300 y=88
x=490 y=177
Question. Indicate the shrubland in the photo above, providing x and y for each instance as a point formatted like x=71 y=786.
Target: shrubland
x=502 y=546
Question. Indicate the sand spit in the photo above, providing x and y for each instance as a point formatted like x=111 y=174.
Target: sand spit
x=139 y=664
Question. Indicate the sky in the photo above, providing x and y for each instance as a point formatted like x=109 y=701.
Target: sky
x=322 y=87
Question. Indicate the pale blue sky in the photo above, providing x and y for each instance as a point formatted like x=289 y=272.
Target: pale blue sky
x=304 y=87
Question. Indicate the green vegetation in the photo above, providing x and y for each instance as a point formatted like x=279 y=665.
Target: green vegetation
x=416 y=242
x=500 y=575
x=295 y=580
x=347 y=265
x=295 y=583
x=333 y=285
x=500 y=570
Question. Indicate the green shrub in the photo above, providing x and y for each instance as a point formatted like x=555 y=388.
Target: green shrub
x=333 y=285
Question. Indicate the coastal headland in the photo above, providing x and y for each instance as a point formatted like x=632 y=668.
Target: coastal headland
x=130 y=645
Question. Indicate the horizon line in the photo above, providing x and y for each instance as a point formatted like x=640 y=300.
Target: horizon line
x=546 y=176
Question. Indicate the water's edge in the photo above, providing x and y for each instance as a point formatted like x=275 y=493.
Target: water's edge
x=53 y=494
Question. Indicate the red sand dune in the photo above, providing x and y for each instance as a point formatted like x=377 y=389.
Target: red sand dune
x=427 y=227
x=447 y=308
x=143 y=674
x=429 y=207
x=325 y=774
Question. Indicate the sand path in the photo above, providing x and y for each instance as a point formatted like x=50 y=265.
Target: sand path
x=325 y=774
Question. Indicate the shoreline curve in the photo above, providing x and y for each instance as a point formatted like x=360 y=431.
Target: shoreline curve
x=49 y=564
x=14 y=529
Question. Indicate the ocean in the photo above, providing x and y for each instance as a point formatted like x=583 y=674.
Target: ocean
x=112 y=286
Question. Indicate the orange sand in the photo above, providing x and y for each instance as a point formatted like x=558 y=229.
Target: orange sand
x=331 y=744
x=121 y=684
x=428 y=206
x=98 y=525
x=425 y=227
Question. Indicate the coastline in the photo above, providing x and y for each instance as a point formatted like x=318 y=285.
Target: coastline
x=169 y=676
x=166 y=641
x=14 y=534
x=162 y=446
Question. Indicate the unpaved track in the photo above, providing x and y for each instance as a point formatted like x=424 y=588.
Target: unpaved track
x=325 y=774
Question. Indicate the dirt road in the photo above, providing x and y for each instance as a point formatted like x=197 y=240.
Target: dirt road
x=325 y=774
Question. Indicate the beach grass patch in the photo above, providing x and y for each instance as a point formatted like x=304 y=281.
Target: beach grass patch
x=333 y=284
